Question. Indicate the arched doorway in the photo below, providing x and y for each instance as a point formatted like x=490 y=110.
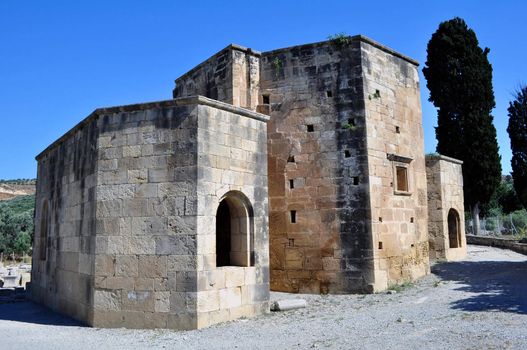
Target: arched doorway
x=234 y=231
x=454 y=234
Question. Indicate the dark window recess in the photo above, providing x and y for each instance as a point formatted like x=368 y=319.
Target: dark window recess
x=380 y=219
x=351 y=121
x=412 y=220
x=293 y=216
x=310 y=128
x=397 y=130
x=291 y=159
x=380 y=245
x=329 y=93
x=291 y=183
x=402 y=178
x=291 y=242
x=266 y=100
x=355 y=180
x=347 y=154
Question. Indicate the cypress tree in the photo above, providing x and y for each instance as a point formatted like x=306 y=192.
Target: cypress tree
x=517 y=130
x=459 y=77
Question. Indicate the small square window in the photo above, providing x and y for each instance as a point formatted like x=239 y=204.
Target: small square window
x=329 y=93
x=291 y=159
x=402 y=178
x=355 y=180
x=310 y=128
x=266 y=99
x=397 y=130
x=347 y=153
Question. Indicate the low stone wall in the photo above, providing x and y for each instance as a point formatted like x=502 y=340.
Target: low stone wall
x=498 y=242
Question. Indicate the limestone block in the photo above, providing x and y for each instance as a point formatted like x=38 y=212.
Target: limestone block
x=162 y=301
x=234 y=276
x=182 y=263
x=107 y=300
x=230 y=297
x=177 y=245
x=208 y=301
x=126 y=266
x=152 y=266
x=138 y=300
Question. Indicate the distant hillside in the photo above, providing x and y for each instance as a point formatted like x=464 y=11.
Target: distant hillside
x=10 y=189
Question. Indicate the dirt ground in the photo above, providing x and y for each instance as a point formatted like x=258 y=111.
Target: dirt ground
x=479 y=303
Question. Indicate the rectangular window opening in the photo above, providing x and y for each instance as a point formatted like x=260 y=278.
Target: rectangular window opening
x=397 y=130
x=329 y=93
x=291 y=242
x=310 y=128
x=293 y=216
x=380 y=245
x=355 y=180
x=380 y=219
x=291 y=159
x=347 y=154
x=291 y=183
x=266 y=99
x=412 y=220
x=351 y=121
x=402 y=178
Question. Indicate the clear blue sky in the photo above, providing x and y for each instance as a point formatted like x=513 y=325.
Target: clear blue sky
x=59 y=60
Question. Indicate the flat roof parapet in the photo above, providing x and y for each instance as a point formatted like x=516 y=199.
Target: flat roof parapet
x=182 y=101
x=359 y=37
x=437 y=156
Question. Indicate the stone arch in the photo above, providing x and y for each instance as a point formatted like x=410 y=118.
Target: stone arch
x=234 y=230
x=44 y=230
x=454 y=234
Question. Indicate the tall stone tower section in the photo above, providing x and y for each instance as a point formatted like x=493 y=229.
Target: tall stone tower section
x=346 y=171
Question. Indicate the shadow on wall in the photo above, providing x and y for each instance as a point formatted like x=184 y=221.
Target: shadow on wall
x=500 y=285
x=29 y=312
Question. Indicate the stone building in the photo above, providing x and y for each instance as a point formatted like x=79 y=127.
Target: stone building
x=446 y=210
x=127 y=207
x=300 y=169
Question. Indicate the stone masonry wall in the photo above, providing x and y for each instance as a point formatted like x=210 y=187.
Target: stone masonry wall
x=445 y=191
x=395 y=138
x=62 y=277
x=146 y=215
x=135 y=243
x=232 y=160
x=231 y=76
x=317 y=168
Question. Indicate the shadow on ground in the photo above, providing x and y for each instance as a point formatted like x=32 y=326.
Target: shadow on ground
x=30 y=312
x=499 y=285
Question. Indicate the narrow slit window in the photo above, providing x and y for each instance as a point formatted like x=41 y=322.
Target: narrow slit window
x=347 y=154
x=380 y=219
x=291 y=159
x=310 y=128
x=293 y=216
x=351 y=121
x=402 y=178
x=266 y=99
x=355 y=180
x=329 y=93
x=397 y=130
x=291 y=183
x=380 y=245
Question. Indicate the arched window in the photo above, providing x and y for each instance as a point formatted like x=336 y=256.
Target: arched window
x=44 y=224
x=454 y=234
x=234 y=231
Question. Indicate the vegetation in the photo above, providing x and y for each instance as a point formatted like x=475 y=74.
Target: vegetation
x=517 y=130
x=459 y=77
x=340 y=39
x=16 y=225
x=19 y=182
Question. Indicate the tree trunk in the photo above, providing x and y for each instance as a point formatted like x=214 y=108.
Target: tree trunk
x=475 y=217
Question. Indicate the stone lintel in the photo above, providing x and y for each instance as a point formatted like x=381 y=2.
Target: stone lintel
x=183 y=101
x=397 y=158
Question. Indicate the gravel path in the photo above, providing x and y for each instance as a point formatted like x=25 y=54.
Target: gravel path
x=479 y=303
